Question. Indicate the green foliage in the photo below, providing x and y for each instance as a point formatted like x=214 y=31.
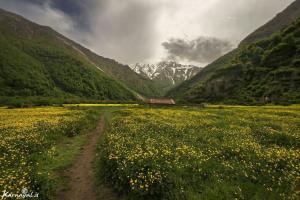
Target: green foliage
x=281 y=20
x=127 y=76
x=37 y=143
x=183 y=90
x=217 y=152
x=61 y=156
x=262 y=72
x=37 y=61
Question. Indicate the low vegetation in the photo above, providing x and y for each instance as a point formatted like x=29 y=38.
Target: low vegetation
x=266 y=69
x=38 y=142
x=36 y=61
x=230 y=152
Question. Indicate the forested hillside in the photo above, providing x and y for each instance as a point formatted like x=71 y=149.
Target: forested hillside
x=122 y=73
x=265 y=71
x=282 y=19
x=37 y=61
x=201 y=87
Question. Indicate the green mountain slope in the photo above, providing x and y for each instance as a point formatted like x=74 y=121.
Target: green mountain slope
x=291 y=13
x=37 y=61
x=123 y=73
x=207 y=86
x=180 y=92
x=268 y=70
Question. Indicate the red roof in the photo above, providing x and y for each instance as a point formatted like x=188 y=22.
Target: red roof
x=161 y=101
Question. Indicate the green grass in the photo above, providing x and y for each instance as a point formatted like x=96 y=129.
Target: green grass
x=188 y=153
x=102 y=105
x=219 y=152
x=52 y=164
x=37 y=144
x=39 y=62
x=61 y=156
x=268 y=67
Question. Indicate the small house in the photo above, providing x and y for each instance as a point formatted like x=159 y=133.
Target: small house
x=161 y=101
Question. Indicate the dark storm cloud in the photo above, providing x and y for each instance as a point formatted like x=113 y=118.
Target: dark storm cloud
x=68 y=6
x=202 y=49
x=69 y=19
x=71 y=7
x=76 y=10
x=124 y=29
x=132 y=30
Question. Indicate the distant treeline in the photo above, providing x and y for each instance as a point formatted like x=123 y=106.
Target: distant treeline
x=23 y=102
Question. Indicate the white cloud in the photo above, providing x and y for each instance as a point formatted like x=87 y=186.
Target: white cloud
x=229 y=20
x=44 y=14
x=133 y=30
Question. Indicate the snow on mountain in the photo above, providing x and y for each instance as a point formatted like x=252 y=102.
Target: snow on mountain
x=168 y=73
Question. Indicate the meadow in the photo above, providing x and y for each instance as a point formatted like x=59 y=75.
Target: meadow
x=30 y=153
x=216 y=152
x=219 y=152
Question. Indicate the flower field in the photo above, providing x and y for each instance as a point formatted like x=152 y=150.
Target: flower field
x=212 y=153
x=26 y=134
x=101 y=105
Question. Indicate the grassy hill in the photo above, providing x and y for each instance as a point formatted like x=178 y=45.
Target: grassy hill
x=180 y=91
x=236 y=152
x=248 y=74
x=267 y=69
x=37 y=61
x=120 y=72
x=291 y=13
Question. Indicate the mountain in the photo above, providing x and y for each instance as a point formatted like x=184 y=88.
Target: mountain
x=37 y=61
x=166 y=74
x=291 y=13
x=123 y=73
x=247 y=73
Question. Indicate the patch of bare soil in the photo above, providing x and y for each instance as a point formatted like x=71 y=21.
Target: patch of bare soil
x=81 y=177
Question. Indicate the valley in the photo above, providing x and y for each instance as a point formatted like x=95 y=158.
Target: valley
x=166 y=74
x=262 y=66
x=76 y=124
x=156 y=153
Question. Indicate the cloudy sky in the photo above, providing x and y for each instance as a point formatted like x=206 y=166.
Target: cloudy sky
x=130 y=31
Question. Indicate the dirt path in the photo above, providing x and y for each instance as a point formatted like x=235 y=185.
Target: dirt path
x=82 y=185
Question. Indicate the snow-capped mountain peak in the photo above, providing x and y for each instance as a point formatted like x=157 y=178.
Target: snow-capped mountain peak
x=147 y=70
x=166 y=72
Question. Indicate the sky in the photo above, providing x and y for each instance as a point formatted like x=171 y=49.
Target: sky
x=148 y=31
